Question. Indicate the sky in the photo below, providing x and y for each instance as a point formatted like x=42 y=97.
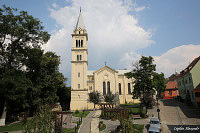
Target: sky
x=121 y=31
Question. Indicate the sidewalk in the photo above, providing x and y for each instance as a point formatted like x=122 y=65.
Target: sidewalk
x=85 y=126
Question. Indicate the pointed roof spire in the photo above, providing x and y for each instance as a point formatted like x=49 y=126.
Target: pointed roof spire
x=80 y=24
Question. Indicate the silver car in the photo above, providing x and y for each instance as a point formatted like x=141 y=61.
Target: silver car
x=153 y=130
x=155 y=125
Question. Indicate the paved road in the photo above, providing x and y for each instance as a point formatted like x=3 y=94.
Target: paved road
x=173 y=112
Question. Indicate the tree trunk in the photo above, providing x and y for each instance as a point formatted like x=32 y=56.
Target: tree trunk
x=3 y=116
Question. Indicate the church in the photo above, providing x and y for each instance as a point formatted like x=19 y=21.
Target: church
x=103 y=80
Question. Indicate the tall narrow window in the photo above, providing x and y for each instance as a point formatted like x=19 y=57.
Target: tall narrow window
x=104 y=88
x=79 y=86
x=120 y=89
x=80 y=57
x=79 y=74
x=129 y=88
x=108 y=87
x=81 y=43
x=77 y=57
x=76 y=43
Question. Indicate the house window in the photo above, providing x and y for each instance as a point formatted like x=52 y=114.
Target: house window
x=129 y=88
x=104 y=88
x=120 y=89
x=77 y=57
x=79 y=74
x=186 y=81
x=170 y=92
x=80 y=57
x=108 y=87
x=190 y=80
x=79 y=86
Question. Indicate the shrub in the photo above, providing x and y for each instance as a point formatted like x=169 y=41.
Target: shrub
x=76 y=112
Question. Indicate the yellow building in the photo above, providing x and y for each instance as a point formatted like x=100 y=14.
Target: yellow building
x=103 y=80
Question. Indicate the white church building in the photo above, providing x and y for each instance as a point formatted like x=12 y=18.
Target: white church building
x=103 y=80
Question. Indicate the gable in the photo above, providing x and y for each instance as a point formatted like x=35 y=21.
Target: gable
x=105 y=68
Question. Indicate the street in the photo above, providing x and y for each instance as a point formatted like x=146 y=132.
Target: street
x=176 y=113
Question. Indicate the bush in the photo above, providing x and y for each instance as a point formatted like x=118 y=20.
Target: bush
x=76 y=112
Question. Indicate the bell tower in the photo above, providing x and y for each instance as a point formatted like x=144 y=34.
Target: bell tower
x=79 y=65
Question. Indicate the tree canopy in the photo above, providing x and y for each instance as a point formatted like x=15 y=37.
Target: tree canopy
x=29 y=77
x=143 y=74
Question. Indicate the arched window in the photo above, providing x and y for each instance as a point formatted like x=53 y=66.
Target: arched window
x=129 y=88
x=104 y=88
x=80 y=57
x=79 y=86
x=79 y=74
x=77 y=57
x=120 y=89
x=76 y=43
x=108 y=87
x=81 y=43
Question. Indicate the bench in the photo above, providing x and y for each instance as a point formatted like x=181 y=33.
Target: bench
x=136 y=116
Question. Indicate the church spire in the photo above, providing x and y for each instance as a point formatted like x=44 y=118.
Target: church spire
x=80 y=24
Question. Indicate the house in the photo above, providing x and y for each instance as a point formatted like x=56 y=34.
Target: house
x=171 y=90
x=189 y=83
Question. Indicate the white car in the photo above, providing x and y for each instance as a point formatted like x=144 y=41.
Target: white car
x=155 y=125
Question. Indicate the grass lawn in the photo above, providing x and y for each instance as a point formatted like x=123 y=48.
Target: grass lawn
x=81 y=113
x=12 y=127
x=138 y=128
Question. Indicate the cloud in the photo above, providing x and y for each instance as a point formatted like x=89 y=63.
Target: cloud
x=176 y=59
x=54 y=5
x=111 y=29
x=141 y=8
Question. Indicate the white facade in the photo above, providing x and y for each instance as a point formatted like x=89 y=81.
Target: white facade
x=103 y=80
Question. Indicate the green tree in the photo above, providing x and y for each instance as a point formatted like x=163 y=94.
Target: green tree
x=95 y=97
x=109 y=98
x=29 y=77
x=42 y=122
x=159 y=83
x=143 y=83
x=18 y=31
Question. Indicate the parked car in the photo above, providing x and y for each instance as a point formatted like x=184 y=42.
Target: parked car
x=155 y=122
x=155 y=125
x=153 y=130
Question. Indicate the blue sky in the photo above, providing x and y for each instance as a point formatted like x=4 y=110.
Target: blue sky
x=167 y=30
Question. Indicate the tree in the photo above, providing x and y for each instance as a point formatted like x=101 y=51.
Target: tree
x=143 y=83
x=95 y=97
x=42 y=122
x=159 y=83
x=29 y=77
x=110 y=98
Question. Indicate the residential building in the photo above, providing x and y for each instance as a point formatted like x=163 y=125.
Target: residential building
x=189 y=83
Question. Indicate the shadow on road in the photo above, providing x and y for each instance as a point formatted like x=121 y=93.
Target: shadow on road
x=189 y=111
